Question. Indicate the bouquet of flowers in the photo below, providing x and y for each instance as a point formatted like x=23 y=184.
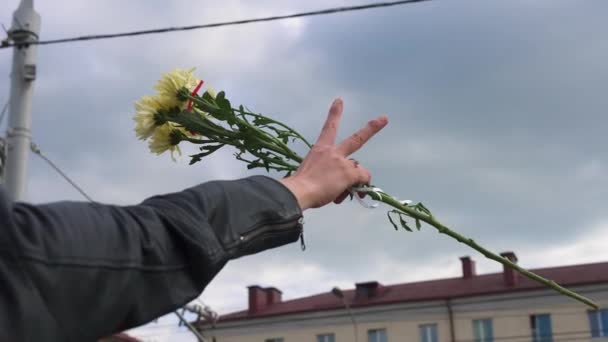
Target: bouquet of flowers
x=177 y=114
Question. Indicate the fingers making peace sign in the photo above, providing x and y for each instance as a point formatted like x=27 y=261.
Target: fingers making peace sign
x=326 y=174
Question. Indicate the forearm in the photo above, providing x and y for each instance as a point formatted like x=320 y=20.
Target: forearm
x=84 y=270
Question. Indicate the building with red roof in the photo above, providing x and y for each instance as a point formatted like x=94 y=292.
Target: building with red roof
x=490 y=307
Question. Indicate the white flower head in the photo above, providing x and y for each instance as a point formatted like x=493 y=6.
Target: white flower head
x=171 y=83
x=146 y=116
x=166 y=138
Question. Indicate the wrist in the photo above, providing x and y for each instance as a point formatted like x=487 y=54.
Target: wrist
x=299 y=190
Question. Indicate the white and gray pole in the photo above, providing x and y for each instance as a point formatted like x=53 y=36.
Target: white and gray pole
x=24 y=30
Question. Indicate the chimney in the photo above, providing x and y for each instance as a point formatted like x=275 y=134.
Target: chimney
x=510 y=276
x=468 y=267
x=368 y=290
x=262 y=298
x=257 y=299
x=273 y=295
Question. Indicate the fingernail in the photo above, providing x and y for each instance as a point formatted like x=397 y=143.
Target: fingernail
x=338 y=100
x=379 y=121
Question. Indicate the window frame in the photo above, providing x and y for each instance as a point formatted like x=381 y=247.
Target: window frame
x=377 y=339
x=486 y=334
x=429 y=332
x=601 y=317
x=536 y=330
x=327 y=337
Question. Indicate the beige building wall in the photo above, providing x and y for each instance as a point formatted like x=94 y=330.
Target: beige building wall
x=396 y=331
x=510 y=316
x=343 y=333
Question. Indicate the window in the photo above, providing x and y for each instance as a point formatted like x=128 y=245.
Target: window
x=326 y=338
x=428 y=333
x=598 y=321
x=482 y=330
x=541 y=328
x=376 y=335
x=278 y=339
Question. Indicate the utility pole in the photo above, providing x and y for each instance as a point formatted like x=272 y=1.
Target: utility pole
x=24 y=30
x=339 y=294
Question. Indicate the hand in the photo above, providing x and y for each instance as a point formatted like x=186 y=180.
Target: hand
x=326 y=174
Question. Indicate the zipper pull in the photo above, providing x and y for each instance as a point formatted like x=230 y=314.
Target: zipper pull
x=302 y=244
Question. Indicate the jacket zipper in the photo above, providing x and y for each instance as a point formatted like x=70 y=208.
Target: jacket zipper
x=255 y=232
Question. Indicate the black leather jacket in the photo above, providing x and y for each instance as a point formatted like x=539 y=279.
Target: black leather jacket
x=78 y=271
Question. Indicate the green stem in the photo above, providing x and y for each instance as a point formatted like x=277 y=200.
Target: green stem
x=275 y=145
x=289 y=168
x=282 y=125
x=410 y=211
x=265 y=139
x=272 y=148
x=275 y=161
x=287 y=152
x=215 y=139
x=202 y=126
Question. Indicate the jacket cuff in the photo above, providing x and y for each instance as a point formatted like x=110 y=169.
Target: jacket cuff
x=252 y=214
x=278 y=218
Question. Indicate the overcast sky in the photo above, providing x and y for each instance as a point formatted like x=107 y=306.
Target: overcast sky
x=496 y=108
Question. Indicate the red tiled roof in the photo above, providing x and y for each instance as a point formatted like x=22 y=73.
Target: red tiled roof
x=479 y=285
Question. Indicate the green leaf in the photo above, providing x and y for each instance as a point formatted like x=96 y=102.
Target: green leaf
x=260 y=121
x=207 y=97
x=242 y=113
x=231 y=118
x=195 y=158
x=207 y=150
x=418 y=225
x=404 y=224
x=220 y=96
x=223 y=102
x=420 y=207
x=391 y=219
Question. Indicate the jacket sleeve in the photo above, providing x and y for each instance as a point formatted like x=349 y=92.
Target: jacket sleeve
x=74 y=271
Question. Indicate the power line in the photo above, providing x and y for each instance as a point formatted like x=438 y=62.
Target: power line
x=37 y=151
x=220 y=24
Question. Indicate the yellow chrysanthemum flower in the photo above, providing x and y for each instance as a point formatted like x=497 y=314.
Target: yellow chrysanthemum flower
x=145 y=120
x=166 y=138
x=170 y=83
